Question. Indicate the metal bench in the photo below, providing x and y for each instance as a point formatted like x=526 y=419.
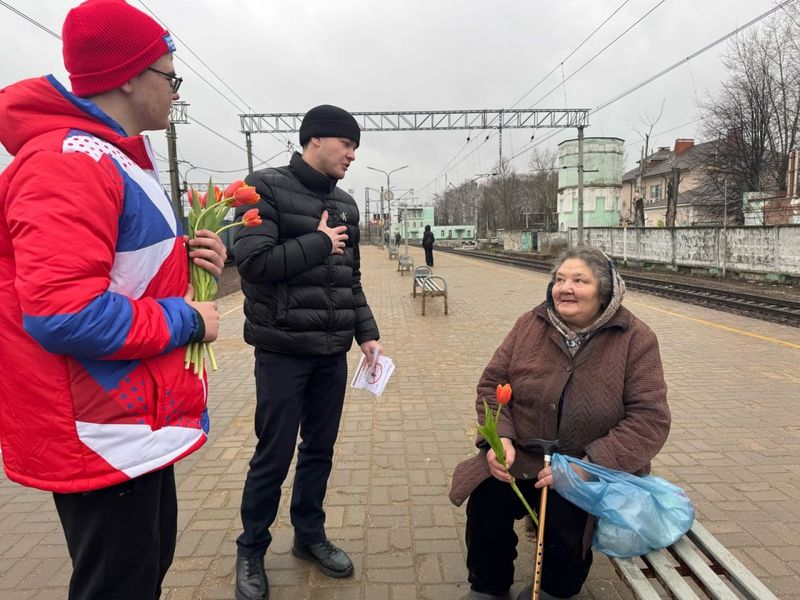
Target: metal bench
x=420 y=273
x=405 y=264
x=429 y=285
x=392 y=251
x=696 y=566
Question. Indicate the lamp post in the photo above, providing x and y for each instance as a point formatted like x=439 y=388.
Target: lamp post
x=387 y=194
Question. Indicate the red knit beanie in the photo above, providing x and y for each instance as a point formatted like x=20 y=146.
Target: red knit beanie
x=109 y=42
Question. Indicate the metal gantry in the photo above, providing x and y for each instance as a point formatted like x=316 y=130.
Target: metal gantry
x=437 y=120
x=430 y=120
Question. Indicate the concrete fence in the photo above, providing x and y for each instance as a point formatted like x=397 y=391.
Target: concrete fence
x=762 y=250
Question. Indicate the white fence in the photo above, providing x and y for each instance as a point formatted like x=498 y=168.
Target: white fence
x=760 y=250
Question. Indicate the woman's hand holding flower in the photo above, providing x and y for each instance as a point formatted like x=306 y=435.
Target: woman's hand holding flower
x=497 y=470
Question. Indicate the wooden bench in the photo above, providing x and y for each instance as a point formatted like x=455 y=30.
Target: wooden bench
x=429 y=285
x=392 y=251
x=696 y=566
x=405 y=264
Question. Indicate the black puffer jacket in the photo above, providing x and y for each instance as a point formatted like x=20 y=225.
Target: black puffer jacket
x=299 y=298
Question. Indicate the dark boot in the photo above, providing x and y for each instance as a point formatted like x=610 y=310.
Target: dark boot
x=525 y=594
x=331 y=560
x=251 y=579
x=473 y=595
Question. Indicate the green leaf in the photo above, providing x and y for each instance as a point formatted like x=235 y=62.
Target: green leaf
x=196 y=201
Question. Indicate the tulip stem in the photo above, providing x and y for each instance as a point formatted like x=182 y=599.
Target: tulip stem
x=212 y=359
x=228 y=226
x=525 y=502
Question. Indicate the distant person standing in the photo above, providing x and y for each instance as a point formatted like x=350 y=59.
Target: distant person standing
x=427 y=244
x=301 y=277
x=397 y=238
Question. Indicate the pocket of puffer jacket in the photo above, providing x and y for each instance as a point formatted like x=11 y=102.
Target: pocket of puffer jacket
x=281 y=304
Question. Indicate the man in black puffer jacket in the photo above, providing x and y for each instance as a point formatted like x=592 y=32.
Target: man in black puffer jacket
x=304 y=304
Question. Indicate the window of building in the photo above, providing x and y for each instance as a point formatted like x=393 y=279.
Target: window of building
x=612 y=203
x=566 y=206
x=655 y=192
x=591 y=204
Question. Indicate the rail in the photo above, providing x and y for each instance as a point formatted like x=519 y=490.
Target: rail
x=781 y=310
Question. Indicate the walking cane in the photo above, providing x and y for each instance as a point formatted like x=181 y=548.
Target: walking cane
x=547 y=447
x=537 y=565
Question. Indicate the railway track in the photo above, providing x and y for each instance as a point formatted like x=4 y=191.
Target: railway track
x=779 y=310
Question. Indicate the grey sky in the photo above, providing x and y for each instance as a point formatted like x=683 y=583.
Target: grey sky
x=290 y=55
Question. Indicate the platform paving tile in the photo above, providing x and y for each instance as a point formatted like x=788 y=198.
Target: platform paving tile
x=734 y=447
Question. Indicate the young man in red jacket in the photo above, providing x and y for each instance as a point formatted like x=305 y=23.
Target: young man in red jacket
x=95 y=403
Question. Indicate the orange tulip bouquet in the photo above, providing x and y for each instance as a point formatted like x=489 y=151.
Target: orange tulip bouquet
x=489 y=432
x=207 y=212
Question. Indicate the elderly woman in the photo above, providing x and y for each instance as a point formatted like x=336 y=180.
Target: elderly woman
x=585 y=371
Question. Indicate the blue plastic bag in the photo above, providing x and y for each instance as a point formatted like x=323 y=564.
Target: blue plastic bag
x=634 y=514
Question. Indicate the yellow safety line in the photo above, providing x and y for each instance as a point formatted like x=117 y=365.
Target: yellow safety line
x=765 y=338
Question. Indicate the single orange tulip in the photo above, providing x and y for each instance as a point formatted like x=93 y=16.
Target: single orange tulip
x=251 y=218
x=231 y=189
x=503 y=393
x=245 y=195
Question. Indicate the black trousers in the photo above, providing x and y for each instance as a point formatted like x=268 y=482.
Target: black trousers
x=121 y=539
x=292 y=392
x=492 y=544
x=429 y=256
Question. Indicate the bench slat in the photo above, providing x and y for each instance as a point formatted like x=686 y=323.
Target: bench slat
x=710 y=580
x=669 y=577
x=743 y=579
x=633 y=577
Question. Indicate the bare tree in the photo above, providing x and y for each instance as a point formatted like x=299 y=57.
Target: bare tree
x=638 y=195
x=753 y=121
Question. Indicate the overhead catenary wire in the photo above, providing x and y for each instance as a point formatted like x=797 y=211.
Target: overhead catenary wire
x=193 y=53
x=184 y=44
x=663 y=72
x=30 y=20
x=219 y=135
x=57 y=36
x=568 y=56
x=564 y=80
x=598 y=53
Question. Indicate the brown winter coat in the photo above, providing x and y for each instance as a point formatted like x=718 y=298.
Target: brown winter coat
x=615 y=398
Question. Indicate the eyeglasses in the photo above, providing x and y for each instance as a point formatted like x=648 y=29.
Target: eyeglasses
x=174 y=82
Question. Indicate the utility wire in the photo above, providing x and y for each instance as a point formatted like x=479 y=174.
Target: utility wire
x=567 y=57
x=30 y=19
x=564 y=80
x=262 y=163
x=663 y=72
x=284 y=140
x=54 y=34
x=690 y=57
x=219 y=135
x=606 y=47
x=192 y=52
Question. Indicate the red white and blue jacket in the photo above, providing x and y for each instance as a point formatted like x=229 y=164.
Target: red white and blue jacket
x=93 y=324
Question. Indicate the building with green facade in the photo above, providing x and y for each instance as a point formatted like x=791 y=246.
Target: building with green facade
x=602 y=182
x=410 y=221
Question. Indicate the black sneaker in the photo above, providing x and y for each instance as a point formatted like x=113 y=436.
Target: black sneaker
x=330 y=559
x=251 y=579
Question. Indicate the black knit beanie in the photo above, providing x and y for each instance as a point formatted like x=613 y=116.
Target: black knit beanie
x=329 y=121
